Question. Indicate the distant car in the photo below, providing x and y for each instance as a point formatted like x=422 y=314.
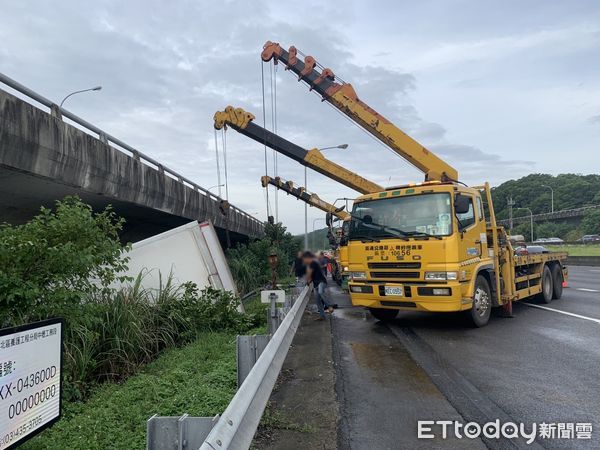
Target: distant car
x=590 y=239
x=552 y=240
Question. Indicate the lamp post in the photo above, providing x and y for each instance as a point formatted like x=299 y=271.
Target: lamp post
x=531 y=218
x=341 y=146
x=551 y=196
x=215 y=186
x=97 y=88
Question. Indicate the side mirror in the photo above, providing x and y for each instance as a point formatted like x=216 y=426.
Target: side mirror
x=328 y=219
x=462 y=203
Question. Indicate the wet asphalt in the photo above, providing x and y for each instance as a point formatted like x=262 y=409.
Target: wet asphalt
x=540 y=366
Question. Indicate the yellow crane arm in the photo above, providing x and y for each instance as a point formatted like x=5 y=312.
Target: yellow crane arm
x=344 y=98
x=301 y=194
x=242 y=122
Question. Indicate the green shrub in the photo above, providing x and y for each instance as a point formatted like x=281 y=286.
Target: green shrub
x=110 y=336
x=57 y=258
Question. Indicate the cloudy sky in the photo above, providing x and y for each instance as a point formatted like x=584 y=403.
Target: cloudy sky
x=499 y=89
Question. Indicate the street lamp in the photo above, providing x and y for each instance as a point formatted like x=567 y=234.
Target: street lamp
x=531 y=217
x=215 y=186
x=341 y=146
x=97 y=88
x=551 y=195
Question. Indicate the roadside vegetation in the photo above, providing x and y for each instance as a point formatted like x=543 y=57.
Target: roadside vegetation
x=248 y=262
x=129 y=352
x=62 y=263
x=576 y=250
x=570 y=191
x=198 y=379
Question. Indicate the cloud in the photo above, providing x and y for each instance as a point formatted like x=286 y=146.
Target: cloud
x=165 y=69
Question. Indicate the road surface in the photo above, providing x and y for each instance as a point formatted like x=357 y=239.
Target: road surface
x=543 y=365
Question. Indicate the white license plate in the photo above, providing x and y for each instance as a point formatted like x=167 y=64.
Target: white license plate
x=394 y=290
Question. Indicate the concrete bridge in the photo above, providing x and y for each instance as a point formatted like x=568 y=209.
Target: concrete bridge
x=43 y=158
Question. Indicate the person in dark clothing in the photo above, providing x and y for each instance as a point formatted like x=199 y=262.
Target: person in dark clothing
x=314 y=275
x=298 y=268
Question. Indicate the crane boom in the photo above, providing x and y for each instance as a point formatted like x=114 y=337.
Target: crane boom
x=242 y=122
x=343 y=97
x=301 y=194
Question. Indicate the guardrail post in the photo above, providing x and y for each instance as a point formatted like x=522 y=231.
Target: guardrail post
x=177 y=433
x=249 y=349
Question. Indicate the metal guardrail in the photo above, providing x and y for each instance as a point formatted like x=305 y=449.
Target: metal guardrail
x=237 y=426
x=562 y=214
x=107 y=138
x=260 y=359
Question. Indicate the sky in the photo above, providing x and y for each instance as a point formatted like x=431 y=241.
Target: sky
x=497 y=89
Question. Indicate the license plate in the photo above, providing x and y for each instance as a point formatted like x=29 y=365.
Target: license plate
x=394 y=290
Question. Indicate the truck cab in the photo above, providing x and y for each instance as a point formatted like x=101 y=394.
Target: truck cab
x=418 y=247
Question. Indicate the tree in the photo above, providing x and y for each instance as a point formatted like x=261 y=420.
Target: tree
x=57 y=258
x=591 y=222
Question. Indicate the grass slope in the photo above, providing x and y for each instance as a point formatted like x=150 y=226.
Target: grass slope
x=576 y=250
x=199 y=379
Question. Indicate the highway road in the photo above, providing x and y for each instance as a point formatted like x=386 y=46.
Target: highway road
x=542 y=366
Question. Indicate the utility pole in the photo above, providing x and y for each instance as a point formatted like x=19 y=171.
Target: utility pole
x=511 y=203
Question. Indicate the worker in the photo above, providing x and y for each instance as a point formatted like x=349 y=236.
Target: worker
x=314 y=275
x=324 y=262
x=298 y=267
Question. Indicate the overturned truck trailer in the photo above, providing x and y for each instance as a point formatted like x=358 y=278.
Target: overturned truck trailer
x=189 y=253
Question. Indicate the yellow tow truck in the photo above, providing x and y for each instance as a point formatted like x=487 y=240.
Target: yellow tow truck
x=430 y=246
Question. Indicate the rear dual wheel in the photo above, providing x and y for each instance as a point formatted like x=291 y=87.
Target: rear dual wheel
x=557 y=281
x=547 y=286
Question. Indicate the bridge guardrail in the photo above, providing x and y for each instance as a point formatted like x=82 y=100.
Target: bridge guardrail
x=562 y=214
x=57 y=111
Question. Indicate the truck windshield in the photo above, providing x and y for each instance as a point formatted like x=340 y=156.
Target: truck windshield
x=404 y=217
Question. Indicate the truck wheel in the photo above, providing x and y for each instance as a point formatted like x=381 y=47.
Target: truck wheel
x=557 y=281
x=547 y=286
x=385 y=315
x=479 y=314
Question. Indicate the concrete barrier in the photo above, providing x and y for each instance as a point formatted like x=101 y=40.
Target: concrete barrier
x=583 y=261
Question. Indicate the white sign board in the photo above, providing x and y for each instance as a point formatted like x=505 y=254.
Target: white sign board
x=30 y=380
x=265 y=296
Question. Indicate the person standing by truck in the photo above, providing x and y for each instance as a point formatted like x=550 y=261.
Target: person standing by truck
x=314 y=275
x=298 y=267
